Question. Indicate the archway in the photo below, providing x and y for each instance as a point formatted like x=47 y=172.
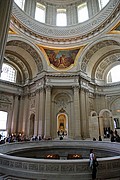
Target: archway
x=32 y=122
x=106 y=123
x=62 y=124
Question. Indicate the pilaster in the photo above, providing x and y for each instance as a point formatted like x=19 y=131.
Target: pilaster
x=30 y=7
x=72 y=17
x=84 y=104
x=5 y=11
x=47 y=111
x=93 y=7
x=20 y=118
x=77 y=113
x=87 y=112
x=41 y=112
x=15 y=115
x=26 y=121
x=37 y=102
x=50 y=14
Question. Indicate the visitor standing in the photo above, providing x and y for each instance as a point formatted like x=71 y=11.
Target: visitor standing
x=94 y=167
x=91 y=157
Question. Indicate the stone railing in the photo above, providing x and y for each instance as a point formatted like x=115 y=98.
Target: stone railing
x=44 y=169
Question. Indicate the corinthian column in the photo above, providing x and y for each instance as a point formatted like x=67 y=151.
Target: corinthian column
x=5 y=12
x=77 y=113
x=41 y=113
x=15 y=115
x=47 y=111
x=37 y=102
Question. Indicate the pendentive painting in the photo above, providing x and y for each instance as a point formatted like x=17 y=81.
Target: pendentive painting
x=61 y=58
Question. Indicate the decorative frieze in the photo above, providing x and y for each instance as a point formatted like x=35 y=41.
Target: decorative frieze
x=28 y=168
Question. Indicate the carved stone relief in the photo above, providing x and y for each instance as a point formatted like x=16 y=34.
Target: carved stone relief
x=105 y=63
x=30 y=50
x=94 y=49
x=5 y=102
x=22 y=66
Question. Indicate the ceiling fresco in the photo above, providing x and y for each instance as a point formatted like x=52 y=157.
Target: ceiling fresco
x=61 y=59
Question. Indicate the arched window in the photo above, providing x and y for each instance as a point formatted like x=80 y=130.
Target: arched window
x=40 y=12
x=114 y=74
x=3 y=123
x=20 y=3
x=8 y=73
x=61 y=19
x=82 y=12
x=102 y=3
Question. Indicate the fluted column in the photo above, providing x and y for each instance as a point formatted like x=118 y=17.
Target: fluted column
x=26 y=123
x=54 y=119
x=71 y=120
x=47 y=111
x=83 y=111
x=101 y=127
x=72 y=17
x=93 y=7
x=5 y=14
x=41 y=113
x=20 y=119
x=50 y=14
x=37 y=102
x=77 y=113
x=87 y=112
x=9 y=123
x=111 y=123
x=15 y=115
x=30 y=7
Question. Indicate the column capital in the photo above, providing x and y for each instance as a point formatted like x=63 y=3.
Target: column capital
x=48 y=87
x=76 y=87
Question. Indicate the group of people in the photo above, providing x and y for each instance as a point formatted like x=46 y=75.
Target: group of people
x=93 y=163
x=61 y=134
x=114 y=136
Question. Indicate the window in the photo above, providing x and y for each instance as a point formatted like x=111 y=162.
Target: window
x=114 y=74
x=61 y=17
x=102 y=3
x=82 y=12
x=3 y=124
x=20 y=3
x=3 y=120
x=40 y=12
x=8 y=73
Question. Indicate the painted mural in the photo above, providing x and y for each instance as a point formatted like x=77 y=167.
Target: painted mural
x=61 y=58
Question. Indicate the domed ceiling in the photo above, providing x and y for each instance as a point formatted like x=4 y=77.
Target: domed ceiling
x=72 y=35
x=91 y=47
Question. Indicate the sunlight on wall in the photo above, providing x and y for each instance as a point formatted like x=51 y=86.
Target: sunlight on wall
x=114 y=74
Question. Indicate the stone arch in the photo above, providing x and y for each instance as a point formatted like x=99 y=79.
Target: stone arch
x=95 y=50
x=61 y=104
x=24 y=72
x=32 y=49
x=32 y=123
x=104 y=64
x=115 y=107
x=93 y=113
x=105 y=110
x=106 y=123
x=62 y=123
